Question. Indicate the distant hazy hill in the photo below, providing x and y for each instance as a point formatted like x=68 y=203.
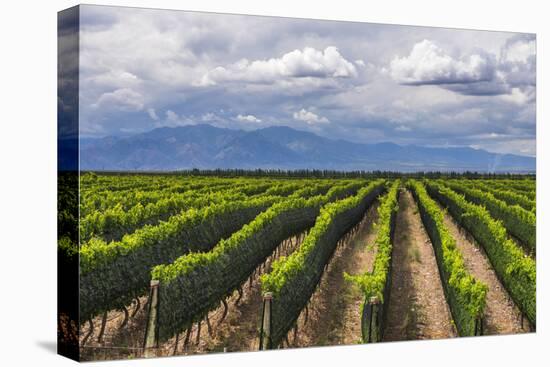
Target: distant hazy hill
x=205 y=146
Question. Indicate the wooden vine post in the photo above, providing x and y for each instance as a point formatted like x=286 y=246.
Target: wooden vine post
x=369 y=320
x=265 y=331
x=478 y=327
x=151 y=343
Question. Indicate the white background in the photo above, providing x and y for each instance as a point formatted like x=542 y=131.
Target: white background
x=28 y=181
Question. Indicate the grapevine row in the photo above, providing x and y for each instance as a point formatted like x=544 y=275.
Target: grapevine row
x=196 y=283
x=520 y=188
x=113 y=273
x=518 y=221
x=115 y=222
x=509 y=196
x=94 y=201
x=293 y=279
x=377 y=283
x=465 y=294
x=516 y=271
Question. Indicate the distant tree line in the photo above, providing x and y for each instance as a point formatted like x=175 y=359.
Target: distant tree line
x=317 y=173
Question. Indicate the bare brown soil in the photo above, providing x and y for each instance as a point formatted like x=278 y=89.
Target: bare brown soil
x=334 y=316
x=417 y=306
x=501 y=314
x=117 y=341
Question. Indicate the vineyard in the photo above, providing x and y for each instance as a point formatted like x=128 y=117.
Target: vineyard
x=186 y=264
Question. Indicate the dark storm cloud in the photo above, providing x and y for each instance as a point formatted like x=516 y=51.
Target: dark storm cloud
x=95 y=18
x=481 y=88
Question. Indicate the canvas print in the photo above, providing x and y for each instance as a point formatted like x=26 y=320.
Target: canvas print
x=232 y=183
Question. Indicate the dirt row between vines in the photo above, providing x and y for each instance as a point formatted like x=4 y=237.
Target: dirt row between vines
x=334 y=316
x=117 y=341
x=502 y=316
x=417 y=306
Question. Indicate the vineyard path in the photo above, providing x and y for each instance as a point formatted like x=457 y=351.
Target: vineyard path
x=501 y=314
x=334 y=316
x=417 y=306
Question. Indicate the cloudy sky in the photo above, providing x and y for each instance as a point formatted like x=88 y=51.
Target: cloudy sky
x=142 y=69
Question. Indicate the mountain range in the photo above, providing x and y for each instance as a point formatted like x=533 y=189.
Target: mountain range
x=279 y=147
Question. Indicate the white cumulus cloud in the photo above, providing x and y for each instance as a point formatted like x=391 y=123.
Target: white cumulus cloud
x=519 y=49
x=211 y=117
x=173 y=120
x=512 y=75
x=152 y=114
x=427 y=63
x=248 y=118
x=309 y=117
x=123 y=99
x=308 y=62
